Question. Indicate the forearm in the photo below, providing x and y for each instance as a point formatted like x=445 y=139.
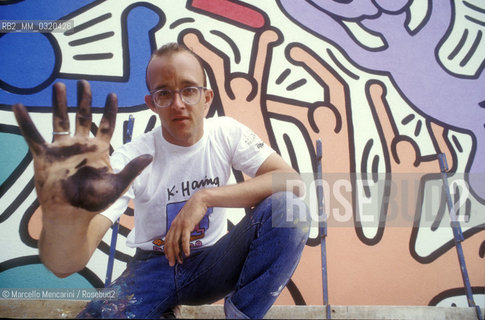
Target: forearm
x=63 y=251
x=65 y=248
x=251 y=192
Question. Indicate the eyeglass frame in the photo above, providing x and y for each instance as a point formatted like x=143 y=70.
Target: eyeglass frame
x=173 y=92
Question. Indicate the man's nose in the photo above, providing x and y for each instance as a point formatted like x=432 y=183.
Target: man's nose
x=177 y=102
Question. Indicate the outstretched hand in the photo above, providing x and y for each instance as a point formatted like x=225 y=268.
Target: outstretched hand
x=73 y=173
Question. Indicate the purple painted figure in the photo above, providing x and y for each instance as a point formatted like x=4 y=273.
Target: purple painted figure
x=436 y=62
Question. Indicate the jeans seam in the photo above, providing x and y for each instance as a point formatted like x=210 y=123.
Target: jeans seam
x=155 y=310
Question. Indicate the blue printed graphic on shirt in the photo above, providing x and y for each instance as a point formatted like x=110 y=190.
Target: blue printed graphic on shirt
x=197 y=235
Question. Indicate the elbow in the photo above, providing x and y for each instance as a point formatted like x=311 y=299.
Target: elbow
x=60 y=270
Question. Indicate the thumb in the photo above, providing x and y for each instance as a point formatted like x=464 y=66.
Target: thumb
x=133 y=169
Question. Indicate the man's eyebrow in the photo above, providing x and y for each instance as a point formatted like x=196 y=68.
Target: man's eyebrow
x=185 y=84
x=159 y=88
x=190 y=83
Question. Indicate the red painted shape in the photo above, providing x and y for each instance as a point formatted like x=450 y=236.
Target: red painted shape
x=233 y=11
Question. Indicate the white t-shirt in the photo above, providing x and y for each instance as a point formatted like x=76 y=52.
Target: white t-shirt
x=177 y=172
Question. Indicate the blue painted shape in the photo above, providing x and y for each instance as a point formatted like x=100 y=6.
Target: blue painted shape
x=14 y=150
x=140 y=20
x=37 y=276
x=27 y=59
x=40 y=10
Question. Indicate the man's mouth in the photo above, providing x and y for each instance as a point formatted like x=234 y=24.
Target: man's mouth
x=181 y=118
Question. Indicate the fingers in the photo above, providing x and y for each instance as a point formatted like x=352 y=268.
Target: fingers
x=169 y=249
x=60 y=120
x=83 y=115
x=176 y=242
x=185 y=243
x=28 y=129
x=108 y=121
x=172 y=247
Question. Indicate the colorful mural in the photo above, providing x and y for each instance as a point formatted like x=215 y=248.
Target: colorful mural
x=386 y=86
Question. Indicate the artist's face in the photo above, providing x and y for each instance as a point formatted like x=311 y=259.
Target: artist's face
x=182 y=123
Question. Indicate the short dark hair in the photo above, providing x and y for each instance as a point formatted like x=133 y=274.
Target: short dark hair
x=169 y=49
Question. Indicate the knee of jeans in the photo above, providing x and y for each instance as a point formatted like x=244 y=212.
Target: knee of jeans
x=289 y=211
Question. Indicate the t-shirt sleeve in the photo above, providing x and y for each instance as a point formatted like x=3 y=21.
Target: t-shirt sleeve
x=249 y=150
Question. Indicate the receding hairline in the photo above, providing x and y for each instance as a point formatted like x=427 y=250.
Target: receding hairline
x=171 y=49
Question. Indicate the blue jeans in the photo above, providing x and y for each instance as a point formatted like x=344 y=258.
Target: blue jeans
x=249 y=267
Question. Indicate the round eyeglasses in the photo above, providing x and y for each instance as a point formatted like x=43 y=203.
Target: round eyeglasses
x=164 y=97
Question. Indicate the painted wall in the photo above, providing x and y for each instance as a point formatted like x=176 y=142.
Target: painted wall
x=386 y=86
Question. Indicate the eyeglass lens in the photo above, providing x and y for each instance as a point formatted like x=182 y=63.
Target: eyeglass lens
x=189 y=95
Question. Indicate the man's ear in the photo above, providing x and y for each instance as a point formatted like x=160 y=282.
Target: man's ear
x=149 y=103
x=209 y=97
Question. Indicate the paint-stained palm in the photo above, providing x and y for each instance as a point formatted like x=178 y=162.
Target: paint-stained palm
x=73 y=173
